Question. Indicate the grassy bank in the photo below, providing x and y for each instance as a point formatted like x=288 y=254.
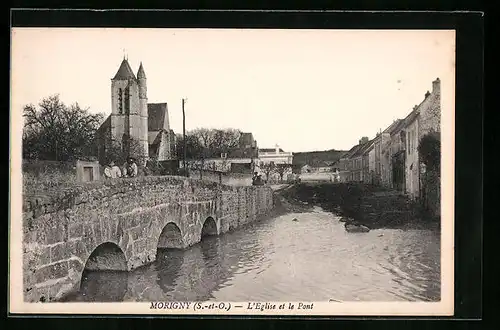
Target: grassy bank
x=358 y=201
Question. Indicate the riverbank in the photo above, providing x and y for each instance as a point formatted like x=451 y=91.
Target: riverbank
x=368 y=205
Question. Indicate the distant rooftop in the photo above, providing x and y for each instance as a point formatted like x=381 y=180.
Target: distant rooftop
x=352 y=151
x=270 y=150
x=393 y=127
x=363 y=148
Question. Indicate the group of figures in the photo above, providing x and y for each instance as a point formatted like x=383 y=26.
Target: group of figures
x=128 y=170
x=257 y=179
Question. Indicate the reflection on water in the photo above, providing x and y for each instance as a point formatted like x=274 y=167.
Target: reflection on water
x=313 y=259
x=101 y=286
x=168 y=266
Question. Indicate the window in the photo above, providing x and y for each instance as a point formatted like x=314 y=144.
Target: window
x=414 y=139
x=127 y=103
x=120 y=101
x=409 y=140
x=223 y=155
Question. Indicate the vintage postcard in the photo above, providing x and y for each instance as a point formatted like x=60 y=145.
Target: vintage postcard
x=232 y=171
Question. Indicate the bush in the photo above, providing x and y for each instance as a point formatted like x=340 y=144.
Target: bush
x=429 y=150
x=56 y=131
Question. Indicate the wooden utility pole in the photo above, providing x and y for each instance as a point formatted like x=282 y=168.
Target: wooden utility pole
x=184 y=136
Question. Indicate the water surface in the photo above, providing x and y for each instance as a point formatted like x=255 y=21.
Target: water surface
x=312 y=259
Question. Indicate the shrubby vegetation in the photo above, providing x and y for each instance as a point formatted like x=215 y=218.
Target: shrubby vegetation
x=204 y=143
x=429 y=150
x=56 y=131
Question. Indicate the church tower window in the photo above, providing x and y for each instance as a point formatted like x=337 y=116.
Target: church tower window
x=120 y=101
x=127 y=101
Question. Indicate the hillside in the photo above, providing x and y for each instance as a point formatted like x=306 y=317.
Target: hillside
x=316 y=158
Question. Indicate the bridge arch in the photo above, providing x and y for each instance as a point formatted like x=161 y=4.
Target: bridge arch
x=209 y=228
x=107 y=256
x=171 y=237
x=110 y=285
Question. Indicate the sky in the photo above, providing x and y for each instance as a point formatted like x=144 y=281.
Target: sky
x=304 y=90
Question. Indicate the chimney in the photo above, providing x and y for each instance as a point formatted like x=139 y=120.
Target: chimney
x=277 y=149
x=436 y=86
x=427 y=94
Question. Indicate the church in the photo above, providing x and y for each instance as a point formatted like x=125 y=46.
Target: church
x=137 y=128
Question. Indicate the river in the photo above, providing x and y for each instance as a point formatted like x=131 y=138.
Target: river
x=312 y=259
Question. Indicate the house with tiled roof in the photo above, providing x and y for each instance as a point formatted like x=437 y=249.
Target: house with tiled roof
x=396 y=155
x=423 y=119
x=384 y=150
x=411 y=154
x=381 y=146
x=347 y=165
x=357 y=160
x=138 y=128
x=367 y=170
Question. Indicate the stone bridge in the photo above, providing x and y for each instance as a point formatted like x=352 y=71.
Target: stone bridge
x=120 y=224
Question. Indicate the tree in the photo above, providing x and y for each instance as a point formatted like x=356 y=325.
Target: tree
x=216 y=141
x=224 y=141
x=267 y=168
x=281 y=169
x=54 y=131
x=193 y=147
x=205 y=143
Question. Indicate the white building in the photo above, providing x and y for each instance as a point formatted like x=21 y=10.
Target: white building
x=276 y=156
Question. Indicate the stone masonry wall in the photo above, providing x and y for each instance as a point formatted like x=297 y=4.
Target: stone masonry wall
x=227 y=178
x=430 y=111
x=63 y=227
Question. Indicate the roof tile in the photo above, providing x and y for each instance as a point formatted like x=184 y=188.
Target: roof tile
x=157 y=116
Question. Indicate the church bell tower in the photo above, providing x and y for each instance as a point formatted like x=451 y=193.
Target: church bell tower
x=143 y=104
x=127 y=115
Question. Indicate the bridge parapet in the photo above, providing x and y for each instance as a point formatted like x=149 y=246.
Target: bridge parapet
x=87 y=225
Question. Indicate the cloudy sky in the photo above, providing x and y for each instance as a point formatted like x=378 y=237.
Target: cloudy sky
x=302 y=89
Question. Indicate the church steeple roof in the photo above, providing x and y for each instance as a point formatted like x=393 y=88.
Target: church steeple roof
x=124 y=72
x=141 y=73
